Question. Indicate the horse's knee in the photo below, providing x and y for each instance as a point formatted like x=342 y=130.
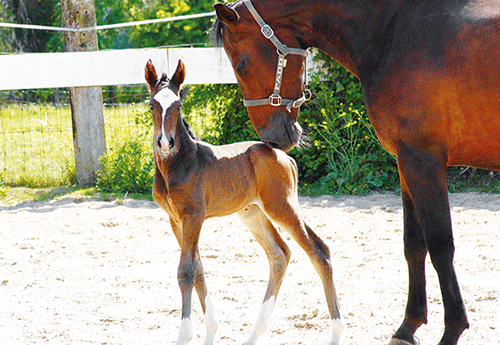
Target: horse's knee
x=286 y=254
x=279 y=259
x=319 y=246
x=186 y=274
x=441 y=251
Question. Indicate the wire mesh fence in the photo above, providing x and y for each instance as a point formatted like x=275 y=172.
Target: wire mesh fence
x=36 y=136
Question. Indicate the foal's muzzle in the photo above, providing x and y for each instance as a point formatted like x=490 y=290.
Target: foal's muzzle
x=165 y=144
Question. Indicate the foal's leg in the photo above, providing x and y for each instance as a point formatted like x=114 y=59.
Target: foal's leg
x=190 y=273
x=202 y=291
x=286 y=214
x=425 y=178
x=415 y=254
x=278 y=256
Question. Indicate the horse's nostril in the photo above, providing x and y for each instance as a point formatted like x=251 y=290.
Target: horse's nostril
x=159 y=141
x=171 y=142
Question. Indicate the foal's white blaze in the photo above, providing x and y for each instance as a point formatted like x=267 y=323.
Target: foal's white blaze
x=210 y=321
x=165 y=98
x=262 y=321
x=185 y=332
x=338 y=327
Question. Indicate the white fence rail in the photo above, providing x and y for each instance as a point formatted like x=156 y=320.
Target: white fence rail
x=114 y=67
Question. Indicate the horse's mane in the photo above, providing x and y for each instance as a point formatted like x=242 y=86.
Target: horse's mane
x=188 y=129
x=183 y=94
x=216 y=33
x=162 y=82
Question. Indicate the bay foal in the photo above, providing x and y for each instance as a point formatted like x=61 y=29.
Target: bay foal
x=195 y=181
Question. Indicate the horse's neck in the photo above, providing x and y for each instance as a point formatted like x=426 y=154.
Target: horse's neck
x=352 y=32
x=185 y=137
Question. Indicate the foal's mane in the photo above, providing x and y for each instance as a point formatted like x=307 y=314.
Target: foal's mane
x=188 y=129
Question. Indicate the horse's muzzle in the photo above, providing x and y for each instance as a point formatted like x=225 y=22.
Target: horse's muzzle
x=284 y=135
x=165 y=143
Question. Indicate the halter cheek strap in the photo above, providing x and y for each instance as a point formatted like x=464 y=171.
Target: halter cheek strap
x=275 y=99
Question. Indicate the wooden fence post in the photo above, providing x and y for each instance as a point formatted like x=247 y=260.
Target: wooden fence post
x=86 y=102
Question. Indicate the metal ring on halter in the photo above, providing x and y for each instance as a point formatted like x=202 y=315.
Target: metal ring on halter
x=298 y=102
x=275 y=100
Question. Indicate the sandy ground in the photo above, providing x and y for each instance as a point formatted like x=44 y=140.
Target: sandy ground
x=94 y=272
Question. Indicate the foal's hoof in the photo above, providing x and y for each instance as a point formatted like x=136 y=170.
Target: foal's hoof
x=395 y=341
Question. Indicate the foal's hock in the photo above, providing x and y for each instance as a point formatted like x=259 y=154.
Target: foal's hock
x=195 y=181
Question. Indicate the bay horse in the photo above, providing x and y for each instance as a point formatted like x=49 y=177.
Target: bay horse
x=195 y=181
x=430 y=74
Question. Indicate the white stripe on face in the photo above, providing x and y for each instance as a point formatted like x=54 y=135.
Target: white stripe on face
x=165 y=98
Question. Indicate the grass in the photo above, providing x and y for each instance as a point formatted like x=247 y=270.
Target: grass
x=36 y=142
x=35 y=145
x=16 y=195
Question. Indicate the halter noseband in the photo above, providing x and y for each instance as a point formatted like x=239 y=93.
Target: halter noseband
x=275 y=99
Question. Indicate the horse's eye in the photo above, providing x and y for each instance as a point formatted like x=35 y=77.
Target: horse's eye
x=151 y=106
x=241 y=67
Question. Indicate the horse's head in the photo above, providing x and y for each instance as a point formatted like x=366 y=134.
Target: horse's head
x=269 y=73
x=165 y=106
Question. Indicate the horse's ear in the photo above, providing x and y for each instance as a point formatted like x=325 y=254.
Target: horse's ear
x=226 y=14
x=151 y=76
x=179 y=75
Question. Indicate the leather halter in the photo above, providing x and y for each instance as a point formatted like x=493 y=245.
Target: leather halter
x=275 y=99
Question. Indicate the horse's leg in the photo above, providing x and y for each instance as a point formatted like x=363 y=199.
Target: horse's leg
x=202 y=291
x=415 y=254
x=278 y=255
x=189 y=270
x=425 y=178
x=287 y=216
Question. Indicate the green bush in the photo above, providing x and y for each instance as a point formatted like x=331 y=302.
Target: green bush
x=128 y=165
x=344 y=155
x=217 y=115
x=127 y=168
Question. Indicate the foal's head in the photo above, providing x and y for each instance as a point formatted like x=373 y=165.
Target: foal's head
x=165 y=106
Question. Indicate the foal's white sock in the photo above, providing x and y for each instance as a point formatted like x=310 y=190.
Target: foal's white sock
x=262 y=321
x=337 y=327
x=185 y=332
x=210 y=321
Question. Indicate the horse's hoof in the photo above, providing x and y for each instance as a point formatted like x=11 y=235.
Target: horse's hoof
x=395 y=341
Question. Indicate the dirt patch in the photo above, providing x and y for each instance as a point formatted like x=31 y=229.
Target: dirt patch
x=92 y=272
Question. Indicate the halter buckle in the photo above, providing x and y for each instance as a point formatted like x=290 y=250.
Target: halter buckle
x=267 y=31
x=275 y=100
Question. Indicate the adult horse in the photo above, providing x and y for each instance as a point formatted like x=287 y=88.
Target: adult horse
x=430 y=72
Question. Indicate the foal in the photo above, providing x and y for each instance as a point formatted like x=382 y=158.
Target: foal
x=195 y=181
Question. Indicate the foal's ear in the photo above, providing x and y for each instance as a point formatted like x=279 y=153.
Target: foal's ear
x=151 y=76
x=179 y=75
x=226 y=14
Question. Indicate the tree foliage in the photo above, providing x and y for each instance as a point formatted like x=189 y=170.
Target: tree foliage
x=36 y=12
x=48 y=12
